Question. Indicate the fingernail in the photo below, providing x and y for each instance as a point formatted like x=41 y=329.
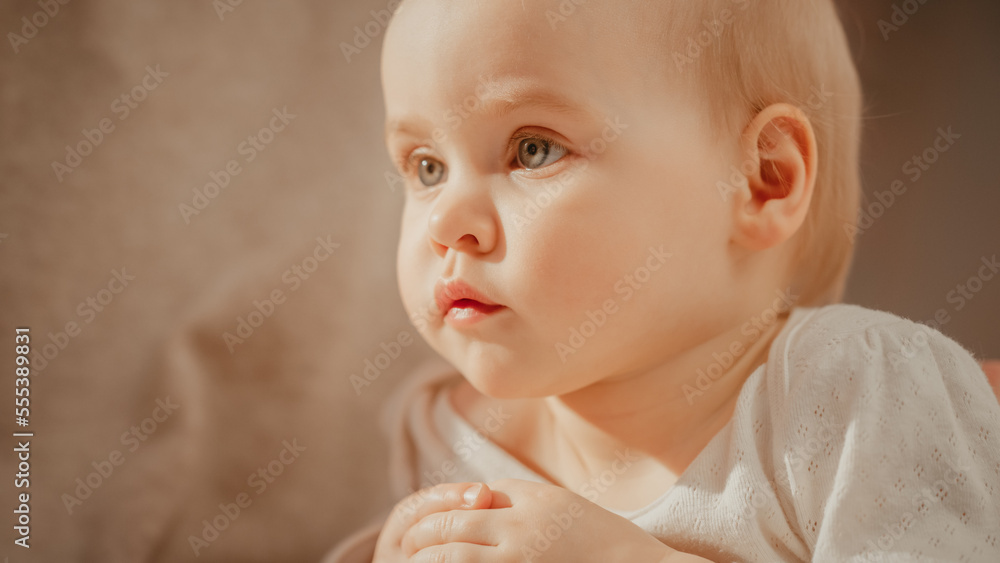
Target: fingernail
x=471 y=494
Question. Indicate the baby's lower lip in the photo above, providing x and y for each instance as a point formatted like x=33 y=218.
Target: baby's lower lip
x=465 y=312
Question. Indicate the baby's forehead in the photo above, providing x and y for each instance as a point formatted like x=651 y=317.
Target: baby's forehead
x=436 y=48
x=535 y=28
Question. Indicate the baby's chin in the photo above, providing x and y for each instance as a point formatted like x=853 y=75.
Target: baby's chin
x=498 y=384
x=501 y=372
x=513 y=383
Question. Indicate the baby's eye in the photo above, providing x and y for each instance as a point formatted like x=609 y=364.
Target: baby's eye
x=536 y=152
x=431 y=171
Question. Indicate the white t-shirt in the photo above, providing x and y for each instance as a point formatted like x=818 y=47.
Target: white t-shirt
x=865 y=437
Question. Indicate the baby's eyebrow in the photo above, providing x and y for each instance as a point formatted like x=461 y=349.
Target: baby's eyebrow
x=499 y=103
x=500 y=106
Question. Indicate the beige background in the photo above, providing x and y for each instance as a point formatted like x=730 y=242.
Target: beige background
x=323 y=176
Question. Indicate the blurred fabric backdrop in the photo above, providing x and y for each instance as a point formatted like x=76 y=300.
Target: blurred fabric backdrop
x=167 y=95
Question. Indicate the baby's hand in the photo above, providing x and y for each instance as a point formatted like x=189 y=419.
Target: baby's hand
x=441 y=498
x=534 y=522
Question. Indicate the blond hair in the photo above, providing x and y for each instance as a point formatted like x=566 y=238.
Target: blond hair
x=763 y=52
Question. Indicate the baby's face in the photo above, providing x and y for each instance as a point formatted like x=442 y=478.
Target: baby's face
x=564 y=173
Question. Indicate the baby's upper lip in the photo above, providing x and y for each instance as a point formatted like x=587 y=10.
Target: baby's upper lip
x=447 y=292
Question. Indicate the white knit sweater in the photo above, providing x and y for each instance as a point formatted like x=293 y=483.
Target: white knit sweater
x=865 y=437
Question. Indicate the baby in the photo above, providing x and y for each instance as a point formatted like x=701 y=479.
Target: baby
x=628 y=226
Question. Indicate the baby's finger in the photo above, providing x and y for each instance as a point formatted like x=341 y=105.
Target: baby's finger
x=440 y=498
x=505 y=492
x=456 y=526
x=464 y=552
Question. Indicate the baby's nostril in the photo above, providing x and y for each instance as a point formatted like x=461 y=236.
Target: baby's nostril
x=470 y=239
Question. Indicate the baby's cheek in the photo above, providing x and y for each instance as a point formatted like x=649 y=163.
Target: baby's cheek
x=414 y=275
x=567 y=267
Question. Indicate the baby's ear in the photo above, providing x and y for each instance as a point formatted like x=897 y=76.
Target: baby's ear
x=780 y=151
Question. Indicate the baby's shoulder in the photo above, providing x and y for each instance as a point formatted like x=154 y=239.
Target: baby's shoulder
x=851 y=339
x=862 y=359
x=862 y=413
x=842 y=329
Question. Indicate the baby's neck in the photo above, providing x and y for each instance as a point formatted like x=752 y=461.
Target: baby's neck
x=652 y=413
